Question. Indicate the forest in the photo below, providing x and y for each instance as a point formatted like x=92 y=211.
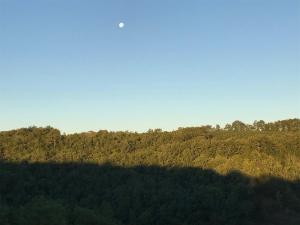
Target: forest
x=239 y=174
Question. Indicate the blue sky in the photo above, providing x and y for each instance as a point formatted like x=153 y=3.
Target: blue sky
x=175 y=63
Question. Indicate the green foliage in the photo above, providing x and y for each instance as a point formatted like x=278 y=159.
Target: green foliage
x=242 y=174
x=80 y=216
x=40 y=211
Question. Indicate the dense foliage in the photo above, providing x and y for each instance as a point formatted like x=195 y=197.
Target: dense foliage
x=241 y=174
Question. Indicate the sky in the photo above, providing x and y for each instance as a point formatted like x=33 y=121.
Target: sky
x=67 y=64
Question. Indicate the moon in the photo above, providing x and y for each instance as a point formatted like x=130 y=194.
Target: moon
x=121 y=25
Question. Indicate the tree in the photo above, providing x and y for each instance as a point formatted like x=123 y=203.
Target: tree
x=239 y=126
x=259 y=125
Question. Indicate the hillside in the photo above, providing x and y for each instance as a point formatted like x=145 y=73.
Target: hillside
x=239 y=174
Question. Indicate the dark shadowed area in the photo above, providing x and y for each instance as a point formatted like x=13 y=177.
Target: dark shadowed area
x=82 y=194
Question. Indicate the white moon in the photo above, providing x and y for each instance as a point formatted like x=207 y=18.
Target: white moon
x=121 y=25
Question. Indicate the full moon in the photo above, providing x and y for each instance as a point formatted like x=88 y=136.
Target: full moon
x=121 y=25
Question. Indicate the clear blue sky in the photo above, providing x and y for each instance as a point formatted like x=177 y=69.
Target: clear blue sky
x=175 y=63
